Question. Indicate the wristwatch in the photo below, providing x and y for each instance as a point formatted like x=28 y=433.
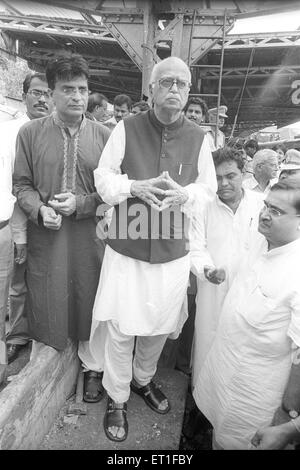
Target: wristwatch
x=292 y=413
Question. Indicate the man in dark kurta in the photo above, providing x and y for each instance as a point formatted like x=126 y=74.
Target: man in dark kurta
x=55 y=159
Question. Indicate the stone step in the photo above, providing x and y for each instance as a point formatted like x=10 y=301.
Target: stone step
x=30 y=403
x=147 y=430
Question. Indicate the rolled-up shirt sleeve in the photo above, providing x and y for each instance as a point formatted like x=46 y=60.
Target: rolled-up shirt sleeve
x=111 y=184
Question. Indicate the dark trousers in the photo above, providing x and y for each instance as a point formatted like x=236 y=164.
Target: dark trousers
x=18 y=327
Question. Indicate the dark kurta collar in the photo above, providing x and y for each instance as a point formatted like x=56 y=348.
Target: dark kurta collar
x=62 y=125
x=175 y=125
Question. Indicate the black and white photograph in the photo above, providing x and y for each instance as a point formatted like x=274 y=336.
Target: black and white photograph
x=150 y=228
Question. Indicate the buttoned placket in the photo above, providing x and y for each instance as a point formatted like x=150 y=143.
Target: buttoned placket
x=70 y=154
x=164 y=141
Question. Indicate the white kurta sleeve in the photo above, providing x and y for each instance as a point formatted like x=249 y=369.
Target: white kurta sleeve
x=111 y=185
x=294 y=327
x=205 y=186
x=7 y=200
x=199 y=253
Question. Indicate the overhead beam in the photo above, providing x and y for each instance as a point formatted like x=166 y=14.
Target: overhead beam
x=261 y=40
x=53 y=27
x=253 y=72
x=117 y=64
x=240 y=8
x=87 y=6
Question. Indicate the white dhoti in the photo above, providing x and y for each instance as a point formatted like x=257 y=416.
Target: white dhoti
x=136 y=298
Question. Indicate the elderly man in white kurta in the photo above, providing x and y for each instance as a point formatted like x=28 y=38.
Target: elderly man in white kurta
x=265 y=169
x=220 y=242
x=144 y=277
x=248 y=373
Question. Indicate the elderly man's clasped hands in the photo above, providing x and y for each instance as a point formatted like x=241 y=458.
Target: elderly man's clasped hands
x=161 y=192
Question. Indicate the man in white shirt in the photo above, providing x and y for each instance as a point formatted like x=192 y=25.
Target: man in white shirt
x=7 y=201
x=122 y=108
x=249 y=379
x=157 y=164
x=265 y=169
x=215 y=135
x=97 y=107
x=219 y=243
x=38 y=104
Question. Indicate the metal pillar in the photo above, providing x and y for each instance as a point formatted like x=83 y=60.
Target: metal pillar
x=149 y=55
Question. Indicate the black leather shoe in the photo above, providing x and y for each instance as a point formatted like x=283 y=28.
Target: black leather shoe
x=13 y=351
x=93 y=390
x=152 y=396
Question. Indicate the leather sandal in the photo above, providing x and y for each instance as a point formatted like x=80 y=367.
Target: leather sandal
x=152 y=396
x=115 y=415
x=93 y=390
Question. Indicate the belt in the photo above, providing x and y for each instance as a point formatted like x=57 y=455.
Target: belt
x=3 y=224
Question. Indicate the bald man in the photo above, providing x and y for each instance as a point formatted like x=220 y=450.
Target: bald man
x=154 y=168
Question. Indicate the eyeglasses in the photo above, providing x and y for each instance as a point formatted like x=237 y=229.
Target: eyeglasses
x=274 y=212
x=168 y=82
x=71 y=91
x=39 y=93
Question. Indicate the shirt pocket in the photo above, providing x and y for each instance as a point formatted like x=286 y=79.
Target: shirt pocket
x=261 y=311
x=183 y=172
x=268 y=320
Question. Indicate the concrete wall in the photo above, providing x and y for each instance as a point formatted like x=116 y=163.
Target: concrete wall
x=30 y=403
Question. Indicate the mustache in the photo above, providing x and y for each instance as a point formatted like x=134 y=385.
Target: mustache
x=41 y=105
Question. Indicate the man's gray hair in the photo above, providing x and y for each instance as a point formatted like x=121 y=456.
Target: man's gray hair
x=262 y=156
x=157 y=67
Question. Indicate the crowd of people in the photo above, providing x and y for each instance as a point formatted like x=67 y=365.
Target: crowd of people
x=148 y=238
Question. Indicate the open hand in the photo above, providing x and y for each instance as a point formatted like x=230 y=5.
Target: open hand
x=64 y=203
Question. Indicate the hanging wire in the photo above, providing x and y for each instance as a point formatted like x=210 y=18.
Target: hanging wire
x=243 y=89
x=220 y=75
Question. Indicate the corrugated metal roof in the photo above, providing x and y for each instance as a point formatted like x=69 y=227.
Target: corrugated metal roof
x=40 y=9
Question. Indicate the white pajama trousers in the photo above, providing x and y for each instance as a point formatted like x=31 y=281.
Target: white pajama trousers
x=118 y=365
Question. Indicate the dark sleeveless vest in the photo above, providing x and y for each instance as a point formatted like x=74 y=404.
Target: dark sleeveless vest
x=137 y=230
